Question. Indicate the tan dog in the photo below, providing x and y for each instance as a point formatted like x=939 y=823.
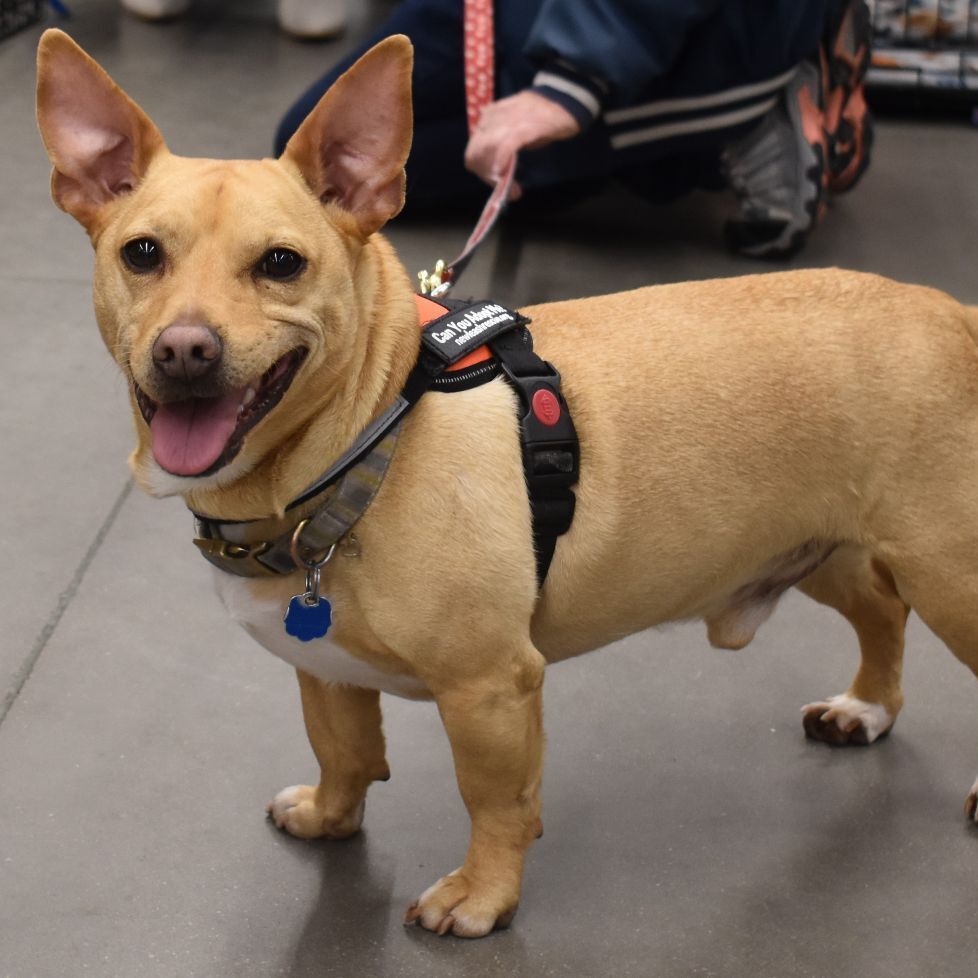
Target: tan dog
x=737 y=437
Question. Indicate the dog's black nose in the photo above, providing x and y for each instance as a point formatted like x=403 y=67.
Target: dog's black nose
x=186 y=351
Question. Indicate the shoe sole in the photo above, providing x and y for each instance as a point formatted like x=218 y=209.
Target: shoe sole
x=777 y=240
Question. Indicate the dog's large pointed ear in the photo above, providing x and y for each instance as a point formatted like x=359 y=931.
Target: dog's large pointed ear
x=99 y=140
x=352 y=147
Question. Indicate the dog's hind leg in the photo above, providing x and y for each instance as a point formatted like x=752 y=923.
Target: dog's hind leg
x=862 y=589
x=941 y=582
x=344 y=728
x=495 y=726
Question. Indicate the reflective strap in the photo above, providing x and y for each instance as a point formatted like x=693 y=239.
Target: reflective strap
x=353 y=496
x=350 y=500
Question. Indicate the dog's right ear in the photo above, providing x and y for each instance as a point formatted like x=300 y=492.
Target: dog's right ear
x=99 y=140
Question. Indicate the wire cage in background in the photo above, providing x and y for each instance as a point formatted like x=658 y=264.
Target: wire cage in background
x=929 y=45
x=18 y=14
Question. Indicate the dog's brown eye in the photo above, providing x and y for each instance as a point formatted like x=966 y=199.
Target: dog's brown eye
x=281 y=263
x=142 y=254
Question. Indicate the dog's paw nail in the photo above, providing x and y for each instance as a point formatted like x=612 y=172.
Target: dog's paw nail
x=412 y=915
x=446 y=925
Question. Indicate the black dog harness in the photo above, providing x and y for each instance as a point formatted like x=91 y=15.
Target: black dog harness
x=463 y=345
x=483 y=338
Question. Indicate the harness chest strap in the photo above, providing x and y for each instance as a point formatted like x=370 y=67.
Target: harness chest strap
x=463 y=344
x=550 y=447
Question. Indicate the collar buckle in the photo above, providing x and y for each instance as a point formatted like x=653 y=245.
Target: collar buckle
x=237 y=558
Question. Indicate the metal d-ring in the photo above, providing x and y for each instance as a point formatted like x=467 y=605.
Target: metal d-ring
x=310 y=565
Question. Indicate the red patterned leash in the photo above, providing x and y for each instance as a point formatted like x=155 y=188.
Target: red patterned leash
x=479 y=90
x=479 y=43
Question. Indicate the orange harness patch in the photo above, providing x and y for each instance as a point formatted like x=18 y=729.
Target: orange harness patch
x=428 y=312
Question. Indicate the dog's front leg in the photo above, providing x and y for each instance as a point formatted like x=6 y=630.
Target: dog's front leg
x=344 y=728
x=495 y=726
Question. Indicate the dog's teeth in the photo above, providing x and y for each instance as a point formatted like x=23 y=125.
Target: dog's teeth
x=249 y=395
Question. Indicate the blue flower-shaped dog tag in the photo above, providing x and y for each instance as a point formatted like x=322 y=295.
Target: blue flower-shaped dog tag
x=306 y=621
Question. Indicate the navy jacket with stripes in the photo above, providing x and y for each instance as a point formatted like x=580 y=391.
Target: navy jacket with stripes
x=652 y=76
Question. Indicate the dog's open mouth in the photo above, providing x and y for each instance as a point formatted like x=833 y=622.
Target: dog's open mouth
x=199 y=435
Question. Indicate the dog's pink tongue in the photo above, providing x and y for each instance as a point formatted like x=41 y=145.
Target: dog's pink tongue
x=190 y=436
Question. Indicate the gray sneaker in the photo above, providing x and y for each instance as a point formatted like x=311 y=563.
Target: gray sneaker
x=778 y=172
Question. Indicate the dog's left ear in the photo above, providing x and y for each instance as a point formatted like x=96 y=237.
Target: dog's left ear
x=99 y=140
x=352 y=147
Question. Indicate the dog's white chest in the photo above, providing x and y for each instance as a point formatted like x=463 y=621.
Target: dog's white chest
x=261 y=617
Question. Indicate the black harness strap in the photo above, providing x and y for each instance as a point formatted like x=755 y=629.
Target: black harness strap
x=551 y=450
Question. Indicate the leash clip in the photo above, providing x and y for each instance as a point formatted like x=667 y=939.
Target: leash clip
x=434 y=283
x=444 y=276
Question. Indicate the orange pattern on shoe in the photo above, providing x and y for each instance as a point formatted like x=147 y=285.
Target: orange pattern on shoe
x=849 y=126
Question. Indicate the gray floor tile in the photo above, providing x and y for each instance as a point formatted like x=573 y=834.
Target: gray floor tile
x=65 y=434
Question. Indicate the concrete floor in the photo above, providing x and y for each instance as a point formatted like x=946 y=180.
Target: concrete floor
x=691 y=830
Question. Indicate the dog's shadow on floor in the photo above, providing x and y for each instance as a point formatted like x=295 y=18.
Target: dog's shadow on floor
x=357 y=912
x=351 y=915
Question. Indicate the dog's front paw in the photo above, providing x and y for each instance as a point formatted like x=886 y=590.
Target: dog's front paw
x=462 y=907
x=971 y=804
x=296 y=810
x=844 y=719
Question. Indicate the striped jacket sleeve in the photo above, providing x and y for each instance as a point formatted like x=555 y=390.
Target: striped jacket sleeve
x=591 y=50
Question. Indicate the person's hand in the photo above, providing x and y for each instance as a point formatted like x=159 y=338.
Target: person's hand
x=526 y=120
